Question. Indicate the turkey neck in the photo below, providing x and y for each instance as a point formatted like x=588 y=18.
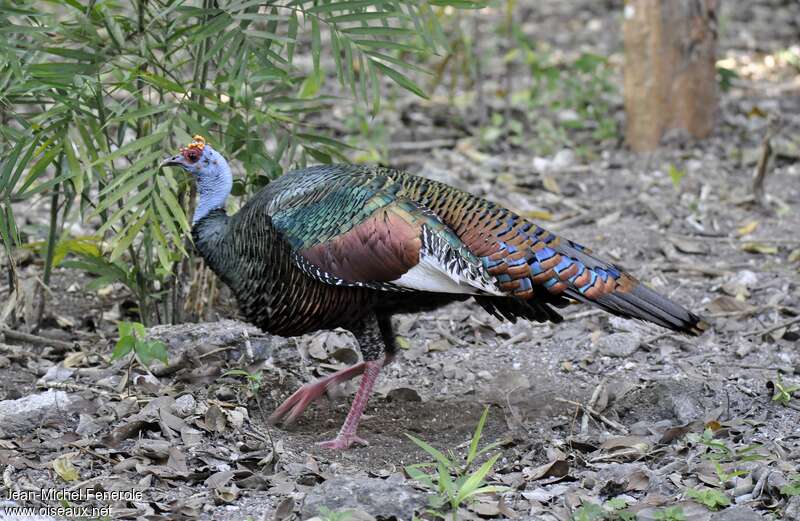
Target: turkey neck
x=209 y=234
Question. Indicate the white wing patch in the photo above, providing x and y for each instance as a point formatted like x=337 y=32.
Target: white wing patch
x=444 y=269
x=429 y=275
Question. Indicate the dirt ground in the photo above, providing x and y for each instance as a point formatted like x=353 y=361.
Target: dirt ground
x=587 y=411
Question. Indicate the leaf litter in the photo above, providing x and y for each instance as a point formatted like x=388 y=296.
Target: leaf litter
x=591 y=424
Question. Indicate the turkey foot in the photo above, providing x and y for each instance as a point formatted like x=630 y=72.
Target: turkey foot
x=293 y=407
x=343 y=442
x=347 y=434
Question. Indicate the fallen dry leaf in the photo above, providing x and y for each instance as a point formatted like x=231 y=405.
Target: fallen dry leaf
x=674 y=433
x=540 y=215
x=553 y=469
x=757 y=247
x=227 y=494
x=638 y=480
x=550 y=184
x=215 y=419
x=284 y=510
x=747 y=228
x=640 y=443
x=65 y=469
x=689 y=246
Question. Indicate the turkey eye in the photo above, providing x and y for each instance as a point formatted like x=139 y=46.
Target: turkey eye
x=192 y=154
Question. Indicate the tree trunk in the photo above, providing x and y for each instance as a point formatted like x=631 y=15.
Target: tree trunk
x=670 y=73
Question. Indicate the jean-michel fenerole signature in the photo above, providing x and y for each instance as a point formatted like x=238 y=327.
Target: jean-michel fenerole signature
x=53 y=494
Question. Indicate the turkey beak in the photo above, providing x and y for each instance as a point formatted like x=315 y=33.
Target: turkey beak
x=172 y=161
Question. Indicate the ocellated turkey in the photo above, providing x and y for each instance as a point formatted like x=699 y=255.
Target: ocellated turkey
x=349 y=246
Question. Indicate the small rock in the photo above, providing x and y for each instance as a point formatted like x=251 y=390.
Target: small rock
x=183 y=406
x=541 y=164
x=737 y=514
x=27 y=413
x=225 y=393
x=382 y=499
x=776 y=480
x=744 y=349
x=619 y=345
x=89 y=425
x=684 y=406
x=564 y=158
x=345 y=355
x=792 y=512
x=156 y=449
x=147 y=383
x=568 y=115
x=236 y=417
x=56 y=374
x=403 y=394
x=746 y=278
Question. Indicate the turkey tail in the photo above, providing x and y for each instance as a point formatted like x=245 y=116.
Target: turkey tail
x=626 y=296
x=645 y=304
x=535 y=265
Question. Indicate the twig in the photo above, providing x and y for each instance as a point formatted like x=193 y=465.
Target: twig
x=406 y=146
x=90 y=452
x=586 y=409
x=727 y=238
x=742 y=312
x=65 y=386
x=449 y=336
x=770 y=329
x=180 y=363
x=583 y=314
x=656 y=338
x=60 y=345
x=248 y=347
x=215 y=351
x=582 y=218
x=761 y=170
x=519 y=337
x=591 y=405
x=755 y=366
x=711 y=272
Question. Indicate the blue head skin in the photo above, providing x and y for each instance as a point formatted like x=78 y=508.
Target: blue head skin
x=211 y=173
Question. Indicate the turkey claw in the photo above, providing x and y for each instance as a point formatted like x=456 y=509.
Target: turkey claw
x=296 y=404
x=343 y=442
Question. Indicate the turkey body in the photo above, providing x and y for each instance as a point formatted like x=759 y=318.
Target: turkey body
x=320 y=248
x=348 y=246
x=259 y=252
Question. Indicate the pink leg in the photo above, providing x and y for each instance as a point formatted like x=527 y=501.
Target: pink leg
x=347 y=434
x=294 y=406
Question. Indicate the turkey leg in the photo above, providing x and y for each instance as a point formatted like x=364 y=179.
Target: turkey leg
x=376 y=341
x=347 y=434
x=294 y=405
